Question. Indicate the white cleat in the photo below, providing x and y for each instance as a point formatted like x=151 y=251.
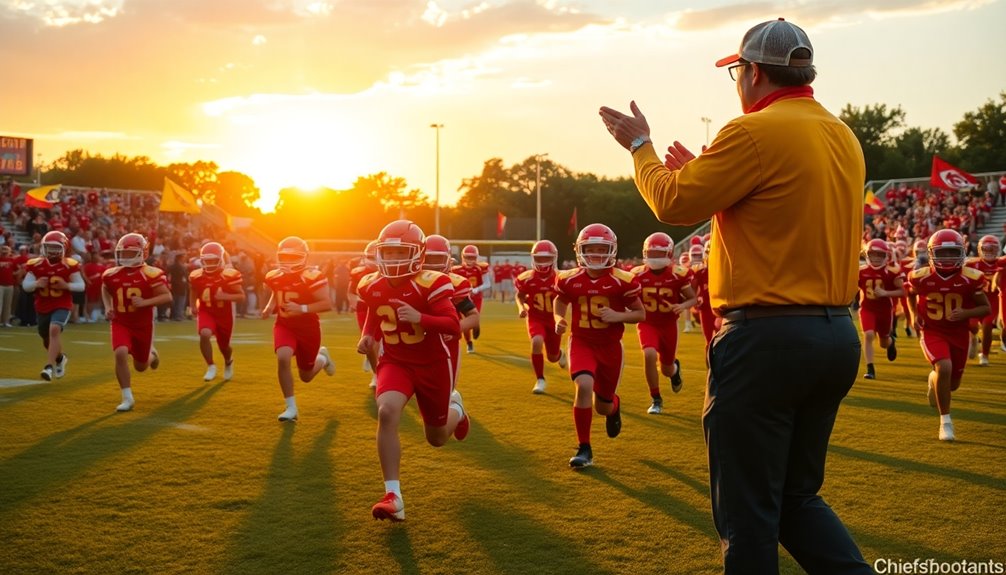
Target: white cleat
x=289 y=415
x=329 y=364
x=973 y=348
x=688 y=328
x=562 y=359
x=46 y=373
x=211 y=372
x=1002 y=346
x=983 y=360
x=126 y=405
x=60 y=370
x=366 y=366
x=155 y=359
x=373 y=382
x=947 y=431
x=229 y=371
x=539 y=387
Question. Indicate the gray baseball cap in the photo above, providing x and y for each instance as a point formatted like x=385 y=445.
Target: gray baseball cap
x=772 y=42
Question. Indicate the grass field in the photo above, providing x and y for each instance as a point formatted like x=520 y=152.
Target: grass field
x=201 y=478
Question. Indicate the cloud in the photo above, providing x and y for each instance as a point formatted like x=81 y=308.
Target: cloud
x=59 y=13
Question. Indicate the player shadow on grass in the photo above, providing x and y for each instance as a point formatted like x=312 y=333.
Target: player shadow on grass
x=293 y=526
x=50 y=464
x=400 y=546
x=519 y=544
x=921 y=408
x=49 y=389
x=919 y=467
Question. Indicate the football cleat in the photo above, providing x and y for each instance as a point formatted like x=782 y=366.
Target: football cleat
x=155 y=360
x=329 y=364
x=584 y=457
x=47 y=373
x=676 y=378
x=908 y=331
x=656 y=407
x=461 y=430
x=983 y=360
x=126 y=405
x=390 y=507
x=688 y=327
x=562 y=359
x=289 y=415
x=871 y=372
x=366 y=365
x=373 y=382
x=1002 y=346
x=211 y=372
x=471 y=348
x=229 y=370
x=613 y=423
x=539 y=387
x=60 y=369
x=973 y=347
x=892 y=351
x=947 y=431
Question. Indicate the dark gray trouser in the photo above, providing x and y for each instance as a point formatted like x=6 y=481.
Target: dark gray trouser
x=773 y=391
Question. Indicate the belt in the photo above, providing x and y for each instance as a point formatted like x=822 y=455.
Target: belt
x=763 y=311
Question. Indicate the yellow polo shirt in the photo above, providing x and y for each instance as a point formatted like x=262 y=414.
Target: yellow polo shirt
x=784 y=188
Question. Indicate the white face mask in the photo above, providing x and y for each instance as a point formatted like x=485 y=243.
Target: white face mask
x=658 y=263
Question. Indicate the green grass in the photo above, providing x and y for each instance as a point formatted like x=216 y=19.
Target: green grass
x=201 y=478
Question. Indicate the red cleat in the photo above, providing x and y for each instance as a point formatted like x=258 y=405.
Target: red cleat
x=461 y=431
x=391 y=507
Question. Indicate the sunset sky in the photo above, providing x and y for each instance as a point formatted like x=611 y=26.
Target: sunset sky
x=319 y=92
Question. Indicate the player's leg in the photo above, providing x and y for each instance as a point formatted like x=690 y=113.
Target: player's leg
x=206 y=349
x=983 y=357
x=606 y=378
x=667 y=353
x=142 y=348
x=536 y=332
x=886 y=334
x=440 y=404
x=312 y=357
x=867 y=322
x=223 y=332
x=394 y=387
x=284 y=373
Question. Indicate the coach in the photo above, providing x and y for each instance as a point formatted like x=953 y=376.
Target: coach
x=784 y=187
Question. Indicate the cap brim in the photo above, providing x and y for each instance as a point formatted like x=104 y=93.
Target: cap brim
x=728 y=60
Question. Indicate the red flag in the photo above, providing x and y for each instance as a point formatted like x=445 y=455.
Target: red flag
x=872 y=204
x=951 y=177
x=15 y=191
x=571 y=231
x=500 y=224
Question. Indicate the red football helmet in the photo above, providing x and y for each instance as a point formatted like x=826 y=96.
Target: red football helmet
x=919 y=248
x=695 y=241
x=596 y=235
x=901 y=233
x=696 y=254
x=878 y=254
x=400 y=249
x=657 y=250
x=685 y=259
x=946 y=251
x=988 y=248
x=469 y=255
x=212 y=256
x=370 y=255
x=291 y=254
x=55 y=246
x=900 y=249
x=438 y=254
x=131 y=250
x=543 y=256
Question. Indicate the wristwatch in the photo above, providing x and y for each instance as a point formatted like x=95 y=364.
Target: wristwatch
x=638 y=143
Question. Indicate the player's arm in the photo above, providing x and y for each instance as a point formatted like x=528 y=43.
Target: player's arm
x=30 y=282
x=232 y=292
x=913 y=300
x=688 y=292
x=160 y=296
x=106 y=300
x=368 y=338
x=320 y=303
x=981 y=309
x=521 y=301
x=270 y=306
x=899 y=288
x=470 y=317
x=559 y=314
x=487 y=284
x=634 y=313
x=442 y=318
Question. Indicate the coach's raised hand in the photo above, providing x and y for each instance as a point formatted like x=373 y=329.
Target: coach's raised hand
x=625 y=129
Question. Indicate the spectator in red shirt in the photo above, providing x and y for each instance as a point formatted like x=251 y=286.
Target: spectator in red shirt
x=8 y=270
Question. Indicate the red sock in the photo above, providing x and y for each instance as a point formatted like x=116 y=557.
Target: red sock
x=655 y=391
x=538 y=362
x=582 y=416
x=615 y=403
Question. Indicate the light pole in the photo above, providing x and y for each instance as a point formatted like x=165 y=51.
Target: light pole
x=436 y=201
x=537 y=185
x=707 y=121
x=38 y=166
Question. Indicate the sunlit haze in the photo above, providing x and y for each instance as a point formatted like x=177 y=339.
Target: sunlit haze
x=316 y=93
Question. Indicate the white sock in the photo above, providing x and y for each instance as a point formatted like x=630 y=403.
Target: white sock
x=394 y=486
x=457 y=407
x=291 y=402
x=945 y=418
x=127 y=394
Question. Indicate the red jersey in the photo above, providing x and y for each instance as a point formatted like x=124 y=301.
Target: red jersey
x=989 y=269
x=661 y=289
x=206 y=285
x=49 y=299
x=124 y=283
x=8 y=268
x=93 y=272
x=297 y=287
x=938 y=296
x=356 y=274
x=518 y=269
x=538 y=290
x=870 y=279
x=462 y=288
x=474 y=273
x=408 y=343
x=615 y=289
x=700 y=282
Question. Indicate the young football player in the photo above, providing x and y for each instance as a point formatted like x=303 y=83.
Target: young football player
x=477 y=273
x=52 y=277
x=880 y=282
x=131 y=292
x=700 y=284
x=213 y=290
x=412 y=310
x=535 y=296
x=907 y=263
x=988 y=263
x=366 y=266
x=944 y=295
x=603 y=299
x=666 y=293
x=438 y=258
x=299 y=294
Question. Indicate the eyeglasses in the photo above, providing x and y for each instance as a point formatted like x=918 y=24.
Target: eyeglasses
x=733 y=70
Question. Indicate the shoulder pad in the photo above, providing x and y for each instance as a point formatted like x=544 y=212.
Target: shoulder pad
x=110 y=271
x=273 y=274
x=33 y=261
x=484 y=265
x=623 y=275
x=72 y=262
x=683 y=271
x=458 y=280
x=972 y=261
x=639 y=270
x=367 y=280
x=972 y=273
x=526 y=275
x=230 y=273
x=310 y=274
x=426 y=278
x=152 y=272
x=196 y=274
x=566 y=274
x=920 y=273
x=894 y=268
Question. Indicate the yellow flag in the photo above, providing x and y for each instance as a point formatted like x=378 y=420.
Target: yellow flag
x=42 y=197
x=175 y=198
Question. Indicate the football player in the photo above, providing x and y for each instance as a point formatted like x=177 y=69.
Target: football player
x=944 y=296
x=907 y=264
x=413 y=311
x=603 y=299
x=666 y=293
x=700 y=283
x=477 y=273
x=213 y=289
x=131 y=292
x=299 y=294
x=51 y=277
x=880 y=280
x=535 y=295
x=438 y=258
x=988 y=263
x=366 y=266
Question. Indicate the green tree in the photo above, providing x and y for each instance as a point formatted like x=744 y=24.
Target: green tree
x=236 y=193
x=982 y=134
x=199 y=177
x=874 y=126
